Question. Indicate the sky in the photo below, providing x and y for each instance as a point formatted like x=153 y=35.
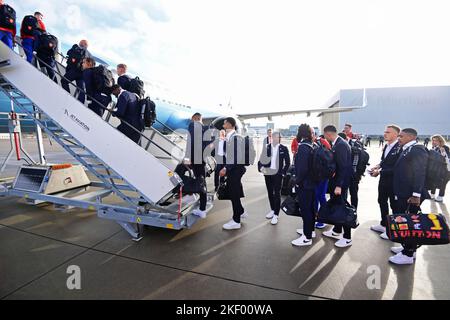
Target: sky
x=263 y=55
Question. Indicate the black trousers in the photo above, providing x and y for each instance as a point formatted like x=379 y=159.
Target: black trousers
x=99 y=108
x=338 y=228
x=307 y=199
x=49 y=66
x=354 y=189
x=77 y=76
x=385 y=198
x=401 y=206
x=129 y=132
x=273 y=185
x=199 y=172
x=442 y=186
x=234 y=178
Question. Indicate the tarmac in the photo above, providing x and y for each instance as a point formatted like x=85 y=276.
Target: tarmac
x=39 y=244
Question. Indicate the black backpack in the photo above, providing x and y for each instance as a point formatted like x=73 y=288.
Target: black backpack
x=322 y=163
x=136 y=86
x=29 y=25
x=148 y=112
x=363 y=158
x=75 y=57
x=250 y=152
x=7 y=17
x=103 y=79
x=48 y=45
x=436 y=169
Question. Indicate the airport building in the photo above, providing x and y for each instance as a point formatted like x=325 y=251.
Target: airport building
x=426 y=109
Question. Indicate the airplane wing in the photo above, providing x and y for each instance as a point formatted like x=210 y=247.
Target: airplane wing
x=308 y=112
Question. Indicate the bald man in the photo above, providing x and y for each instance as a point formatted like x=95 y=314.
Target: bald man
x=74 y=71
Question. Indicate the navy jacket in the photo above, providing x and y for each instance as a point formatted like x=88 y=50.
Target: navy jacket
x=124 y=82
x=128 y=109
x=344 y=166
x=410 y=172
x=88 y=77
x=387 y=164
x=284 y=160
x=195 y=142
x=235 y=153
x=303 y=159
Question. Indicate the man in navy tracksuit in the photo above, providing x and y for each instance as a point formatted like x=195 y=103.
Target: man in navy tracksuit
x=74 y=70
x=194 y=157
x=305 y=185
x=46 y=59
x=123 y=79
x=409 y=186
x=8 y=30
x=101 y=100
x=274 y=164
x=127 y=109
x=340 y=183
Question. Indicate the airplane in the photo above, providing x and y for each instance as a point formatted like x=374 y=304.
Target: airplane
x=177 y=116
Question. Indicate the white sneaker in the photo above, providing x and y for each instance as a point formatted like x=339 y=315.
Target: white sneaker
x=439 y=199
x=199 y=213
x=344 y=243
x=274 y=220
x=384 y=236
x=398 y=250
x=302 y=242
x=270 y=215
x=232 y=225
x=300 y=232
x=331 y=234
x=244 y=216
x=378 y=228
x=401 y=259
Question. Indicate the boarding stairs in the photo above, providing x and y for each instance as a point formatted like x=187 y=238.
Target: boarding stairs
x=141 y=175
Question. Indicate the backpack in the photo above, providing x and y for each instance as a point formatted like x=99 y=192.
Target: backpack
x=136 y=86
x=363 y=158
x=48 y=45
x=250 y=152
x=322 y=163
x=103 y=79
x=148 y=112
x=29 y=25
x=436 y=169
x=75 y=57
x=7 y=17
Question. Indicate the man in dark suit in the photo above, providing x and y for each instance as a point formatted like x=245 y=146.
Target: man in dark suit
x=127 y=110
x=195 y=157
x=340 y=182
x=268 y=139
x=274 y=164
x=409 y=186
x=385 y=170
x=234 y=171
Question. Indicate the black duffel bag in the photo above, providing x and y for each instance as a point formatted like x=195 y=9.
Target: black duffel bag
x=223 y=192
x=291 y=207
x=340 y=212
x=191 y=184
x=418 y=229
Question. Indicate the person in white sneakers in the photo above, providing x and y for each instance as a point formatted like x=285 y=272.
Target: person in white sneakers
x=340 y=182
x=274 y=164
x=233 y=171
x=305 y=185
x=385 y=170
x=409 y=186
